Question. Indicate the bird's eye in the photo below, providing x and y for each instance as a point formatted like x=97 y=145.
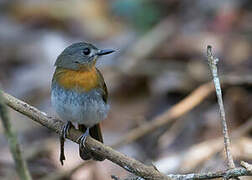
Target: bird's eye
x=86 y=51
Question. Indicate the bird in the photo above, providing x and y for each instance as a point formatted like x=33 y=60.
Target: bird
x=79 y=95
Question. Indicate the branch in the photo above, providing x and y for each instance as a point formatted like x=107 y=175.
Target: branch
x=129 y=164
x=212 y=61
x=11 y=136
x=227 y=174
x=232 y=173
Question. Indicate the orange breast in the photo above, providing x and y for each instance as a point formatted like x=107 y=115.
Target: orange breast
x=82 y=80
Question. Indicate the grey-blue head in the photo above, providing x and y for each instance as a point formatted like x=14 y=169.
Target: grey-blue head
x=80 y=55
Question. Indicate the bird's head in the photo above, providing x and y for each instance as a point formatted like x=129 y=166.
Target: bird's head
x=80 y=56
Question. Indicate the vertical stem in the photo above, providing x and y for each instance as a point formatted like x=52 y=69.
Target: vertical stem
x=21 y=166
x=212 y=61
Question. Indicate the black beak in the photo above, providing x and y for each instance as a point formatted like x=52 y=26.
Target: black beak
x=105 y=52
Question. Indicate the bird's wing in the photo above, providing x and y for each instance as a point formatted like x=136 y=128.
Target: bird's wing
x=102 y=86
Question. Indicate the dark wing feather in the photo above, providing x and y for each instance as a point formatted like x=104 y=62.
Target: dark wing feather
x=102 y=86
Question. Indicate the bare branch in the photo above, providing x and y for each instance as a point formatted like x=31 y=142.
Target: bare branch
x=20 y=163
x=129 y=164
x=212 y=61
x=232 y=173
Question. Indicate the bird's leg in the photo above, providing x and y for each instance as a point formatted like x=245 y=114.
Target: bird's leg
x=63 y=136
x=82 y=139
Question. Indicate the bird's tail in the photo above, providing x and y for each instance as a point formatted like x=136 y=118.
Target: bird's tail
x=95 y=132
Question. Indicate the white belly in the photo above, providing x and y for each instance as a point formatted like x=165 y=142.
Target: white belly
x=83 y=108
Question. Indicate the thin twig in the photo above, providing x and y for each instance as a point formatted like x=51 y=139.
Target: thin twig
x=212 y=61
x=20 y=163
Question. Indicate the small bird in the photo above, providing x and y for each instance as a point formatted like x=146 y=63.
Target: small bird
x=79 y=94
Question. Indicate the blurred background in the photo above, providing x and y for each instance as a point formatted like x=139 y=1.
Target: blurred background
x=160 y=59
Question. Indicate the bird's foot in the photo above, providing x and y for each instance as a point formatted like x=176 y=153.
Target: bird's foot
x=82 y=139
x=63 y=136
x=85 y=154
